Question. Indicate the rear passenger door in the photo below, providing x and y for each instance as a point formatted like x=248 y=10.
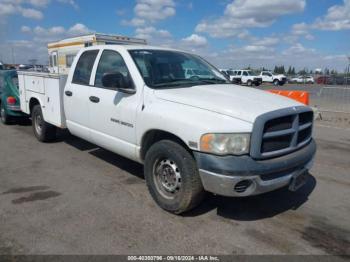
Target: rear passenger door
x=77 y=94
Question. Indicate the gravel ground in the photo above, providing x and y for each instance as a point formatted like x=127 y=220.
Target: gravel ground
x=71 y=197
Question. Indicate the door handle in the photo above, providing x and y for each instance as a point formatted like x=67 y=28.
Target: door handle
x=94 y=99
x=68 y=93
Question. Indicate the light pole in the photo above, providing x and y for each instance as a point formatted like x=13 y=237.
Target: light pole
x=348 y=74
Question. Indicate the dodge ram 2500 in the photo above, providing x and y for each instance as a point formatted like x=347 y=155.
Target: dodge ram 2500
x=192 y=134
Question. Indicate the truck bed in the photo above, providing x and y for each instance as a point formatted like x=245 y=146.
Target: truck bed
x=47 y=89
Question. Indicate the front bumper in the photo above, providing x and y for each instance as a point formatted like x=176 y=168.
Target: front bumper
x=244 y=176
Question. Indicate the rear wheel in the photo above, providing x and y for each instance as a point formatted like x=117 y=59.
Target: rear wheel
x=5 y=118
x=276 y=82
x=43 y=131
x=172 y=177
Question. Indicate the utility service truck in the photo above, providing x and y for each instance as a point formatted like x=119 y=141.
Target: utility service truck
x=192 y=134
x=62 y=53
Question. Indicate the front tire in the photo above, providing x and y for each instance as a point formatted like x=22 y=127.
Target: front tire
x=172 y=177
x=5 y=118
x=43 y=131
x=249 y=83
x=276 y=82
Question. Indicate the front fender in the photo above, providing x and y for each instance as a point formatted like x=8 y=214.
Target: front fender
x=186 y=122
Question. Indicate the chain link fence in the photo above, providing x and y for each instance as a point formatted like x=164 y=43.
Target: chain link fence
x=326 y=98
x=332 y=99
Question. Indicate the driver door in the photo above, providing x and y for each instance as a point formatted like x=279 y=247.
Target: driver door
x=112 y=113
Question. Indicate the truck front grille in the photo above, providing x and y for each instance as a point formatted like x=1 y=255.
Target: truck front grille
x=281 y=132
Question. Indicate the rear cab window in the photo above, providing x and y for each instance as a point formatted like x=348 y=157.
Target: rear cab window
x=84 y=67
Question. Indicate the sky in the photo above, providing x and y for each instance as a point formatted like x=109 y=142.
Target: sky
x=228 y=33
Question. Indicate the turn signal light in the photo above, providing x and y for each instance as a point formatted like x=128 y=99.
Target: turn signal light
x=11 y=100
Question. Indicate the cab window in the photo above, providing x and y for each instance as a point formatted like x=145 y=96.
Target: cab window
x=239 y=73
x=111 y=62
x=83 y=68
x=245 y=73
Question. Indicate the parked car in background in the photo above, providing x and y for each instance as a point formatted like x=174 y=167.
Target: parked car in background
x=302 y=80
x=197 y=73
x=332 y=80
x=245 y=77
x=225 y=73
x=9 y=96
x=323 y=80
x=269 y=77
x=1 y=66
x=309 y=80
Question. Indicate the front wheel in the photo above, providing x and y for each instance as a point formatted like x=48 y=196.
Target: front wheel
x=276 y=82
x=249 y=83
x=43 y=131
x=5 y=118
x=172 y=177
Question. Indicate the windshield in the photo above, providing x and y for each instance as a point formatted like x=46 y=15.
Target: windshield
x=163 y=68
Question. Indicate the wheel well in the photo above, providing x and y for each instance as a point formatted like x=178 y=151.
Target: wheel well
x=154 y=136
x=33 y=102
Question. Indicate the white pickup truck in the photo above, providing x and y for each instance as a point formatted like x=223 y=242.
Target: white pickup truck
x=192 y=135
x=277 y=80
x=245 y=77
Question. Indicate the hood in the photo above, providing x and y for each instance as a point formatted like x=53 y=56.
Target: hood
x=240 y=102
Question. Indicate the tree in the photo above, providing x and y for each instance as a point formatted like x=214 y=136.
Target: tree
x=302 y=72
x=293 y=71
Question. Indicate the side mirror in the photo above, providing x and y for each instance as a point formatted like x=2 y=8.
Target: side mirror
x=116 y=80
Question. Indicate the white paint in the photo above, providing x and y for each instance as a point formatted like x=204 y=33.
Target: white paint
x=187 y=113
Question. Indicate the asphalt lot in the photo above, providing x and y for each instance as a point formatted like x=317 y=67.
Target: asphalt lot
x=70 y=197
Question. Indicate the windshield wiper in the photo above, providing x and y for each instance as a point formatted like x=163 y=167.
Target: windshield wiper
x=174 y=82
x=212 y=81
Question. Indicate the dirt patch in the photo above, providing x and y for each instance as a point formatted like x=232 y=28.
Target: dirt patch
x=330 y=238
x=36 y=197
x=279 y=242
x=19 y=190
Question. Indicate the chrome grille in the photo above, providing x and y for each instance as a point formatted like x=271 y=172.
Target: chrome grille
x=281 y=132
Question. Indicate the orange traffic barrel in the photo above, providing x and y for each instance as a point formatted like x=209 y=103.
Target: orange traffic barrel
x=300 y=96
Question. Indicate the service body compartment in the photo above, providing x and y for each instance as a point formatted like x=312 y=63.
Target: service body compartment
x=48 y=90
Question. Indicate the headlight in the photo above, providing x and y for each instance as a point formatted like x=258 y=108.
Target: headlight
x=225 y=144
